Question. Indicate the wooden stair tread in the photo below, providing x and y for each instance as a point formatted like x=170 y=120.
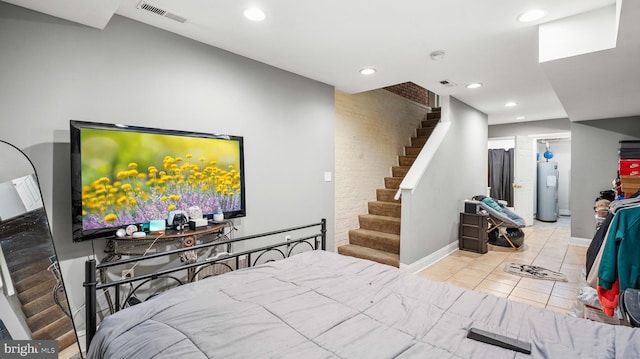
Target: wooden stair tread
x=54 y=330
x=37 y=305
x=33 y=293
x=44 y=318
x=66 y=340
x=34 y=268
x=370 y=254
x=33 y=280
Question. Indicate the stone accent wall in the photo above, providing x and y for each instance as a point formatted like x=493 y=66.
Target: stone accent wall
x=372 y=129
x=412 y=92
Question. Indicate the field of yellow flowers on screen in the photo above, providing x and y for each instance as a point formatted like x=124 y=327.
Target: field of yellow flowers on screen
x=139 y=195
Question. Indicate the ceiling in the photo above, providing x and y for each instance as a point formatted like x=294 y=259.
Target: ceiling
x=331 y=40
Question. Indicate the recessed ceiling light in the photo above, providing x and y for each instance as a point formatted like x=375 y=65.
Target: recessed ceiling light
x=474 y=85
x=254 y=14
x=520 y=118
x=510 y=104
x=532 y=15
x=368 y=71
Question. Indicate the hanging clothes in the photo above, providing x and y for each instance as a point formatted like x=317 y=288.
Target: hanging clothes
x=593 y=252
x=620 y=257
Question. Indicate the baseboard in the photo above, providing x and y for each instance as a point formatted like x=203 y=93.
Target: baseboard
x=564 y=212
x=431 y=259
x=582 y=242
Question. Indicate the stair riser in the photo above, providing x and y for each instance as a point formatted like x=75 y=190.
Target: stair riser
x=380 y=243
x=35 y=293
x=424 y=132
x=386 y=195
x=384 y=209
x=429 y=123
x=399 y=171
x=412 y=151
x=344 y=250
x=42 y=278
x=392 y=183
x=418 y=141
x=44 y=318
x=381 y=225
x=66 y=340
x=54 y=330
x=37 y=306
x=406 y=160
x=33 y=268
x=433 y=115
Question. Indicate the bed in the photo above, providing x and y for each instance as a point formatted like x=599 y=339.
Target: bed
x=320 y=304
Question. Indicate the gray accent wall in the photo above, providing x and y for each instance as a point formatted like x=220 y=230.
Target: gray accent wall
x=53 y=71
x=594 y=151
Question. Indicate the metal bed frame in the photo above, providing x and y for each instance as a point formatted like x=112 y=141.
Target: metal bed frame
x=242 y=259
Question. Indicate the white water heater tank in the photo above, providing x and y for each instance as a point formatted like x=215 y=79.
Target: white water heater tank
x=547 y=198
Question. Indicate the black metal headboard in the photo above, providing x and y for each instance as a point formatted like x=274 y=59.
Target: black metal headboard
x=230 y=261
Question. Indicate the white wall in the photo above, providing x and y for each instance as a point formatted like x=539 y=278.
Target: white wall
x=579 y=34
x=458 y=171
x=54 y=71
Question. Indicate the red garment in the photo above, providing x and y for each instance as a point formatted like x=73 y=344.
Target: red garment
x=609 y=297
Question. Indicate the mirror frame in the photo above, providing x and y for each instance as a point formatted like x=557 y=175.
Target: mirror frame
x=9 y=291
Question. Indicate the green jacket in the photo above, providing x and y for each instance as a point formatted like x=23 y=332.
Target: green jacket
x=621 y=254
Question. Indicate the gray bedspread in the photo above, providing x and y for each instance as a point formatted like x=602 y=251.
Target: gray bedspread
x=324 y=305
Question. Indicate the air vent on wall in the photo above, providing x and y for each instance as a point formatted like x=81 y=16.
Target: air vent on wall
x=158 y=11
x=448 y=83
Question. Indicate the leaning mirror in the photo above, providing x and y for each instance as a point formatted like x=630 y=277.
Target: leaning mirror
x=33 y=305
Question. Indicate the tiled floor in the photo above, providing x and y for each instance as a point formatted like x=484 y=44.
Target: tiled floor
x=546 y=245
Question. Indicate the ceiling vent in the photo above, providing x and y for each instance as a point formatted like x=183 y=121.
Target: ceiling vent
x=158 y=11
x=448 y=83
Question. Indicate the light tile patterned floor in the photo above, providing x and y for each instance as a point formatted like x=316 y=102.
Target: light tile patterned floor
x=546 y=245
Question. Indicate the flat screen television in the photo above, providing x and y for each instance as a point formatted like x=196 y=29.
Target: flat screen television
x=123 y=175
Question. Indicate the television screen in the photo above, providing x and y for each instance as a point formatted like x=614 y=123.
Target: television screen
x=122 y=175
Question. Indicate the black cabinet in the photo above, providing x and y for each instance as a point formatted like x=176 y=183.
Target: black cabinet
x=472 y=232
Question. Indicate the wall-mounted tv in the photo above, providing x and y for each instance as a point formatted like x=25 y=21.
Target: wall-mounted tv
x=122 y=175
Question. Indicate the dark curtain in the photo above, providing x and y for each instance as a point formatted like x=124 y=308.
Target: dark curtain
x=501 y=174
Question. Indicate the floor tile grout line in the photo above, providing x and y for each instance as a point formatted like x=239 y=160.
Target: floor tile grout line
x=540 y=242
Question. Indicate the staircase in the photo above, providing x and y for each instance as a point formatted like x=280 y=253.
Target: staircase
x=27 y=245
x=378 y=238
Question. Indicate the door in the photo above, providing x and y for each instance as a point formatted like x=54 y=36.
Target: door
x=29 y=192
x=523 y=179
